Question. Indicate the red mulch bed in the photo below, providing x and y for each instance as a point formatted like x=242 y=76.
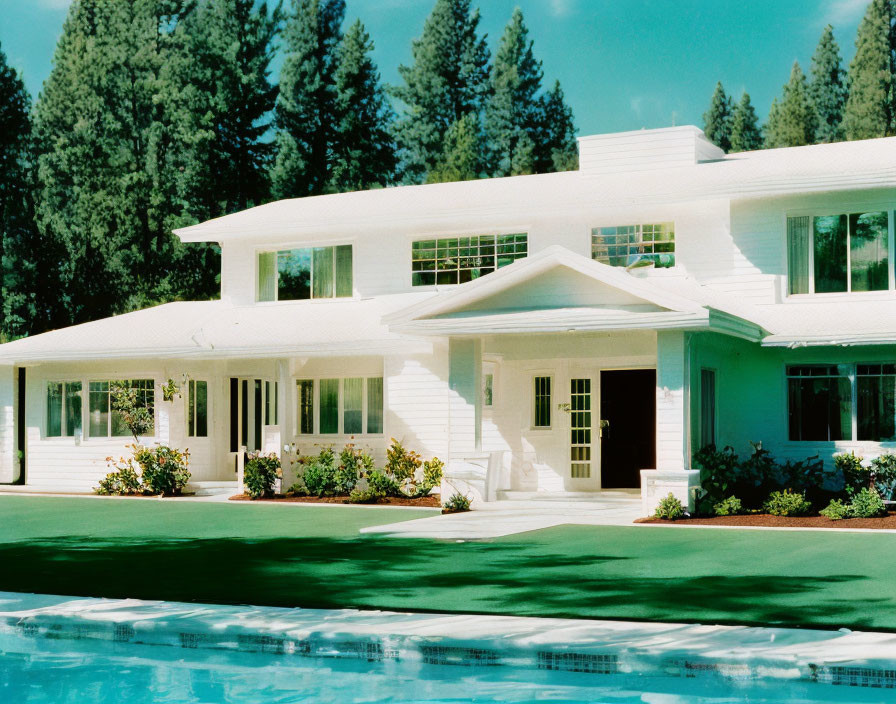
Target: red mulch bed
x=424 y=502
x=764 y=520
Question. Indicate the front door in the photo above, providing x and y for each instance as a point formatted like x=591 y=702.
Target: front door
x=253 y=406
x=581 y=433
x=628 y=435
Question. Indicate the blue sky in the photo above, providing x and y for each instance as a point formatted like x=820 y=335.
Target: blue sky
x=624 y=64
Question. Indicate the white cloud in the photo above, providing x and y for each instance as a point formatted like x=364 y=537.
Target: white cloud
x=845 y=11
x=562 y=8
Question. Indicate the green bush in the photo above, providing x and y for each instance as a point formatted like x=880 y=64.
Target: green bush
x=669 y=508
x=297 y=489
x=164 y=469
x=837 y=510
x=855 y=476
x=787 y=503
x=866 y=503
x=123 y=482
x=382 y=483
x=260 y=475
x=401 y=464
x=320 y=475
x=457 y=503
x=366 y=496
x=353 y=463
x=883 y=469
x=133 y=411
x=731 y=506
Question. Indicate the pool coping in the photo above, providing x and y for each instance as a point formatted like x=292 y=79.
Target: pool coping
x=851 y=658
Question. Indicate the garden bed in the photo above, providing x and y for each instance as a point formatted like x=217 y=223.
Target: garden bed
x=765 y=520
x=422 y=502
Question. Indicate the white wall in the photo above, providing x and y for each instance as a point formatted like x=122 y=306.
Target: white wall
x=8 y=460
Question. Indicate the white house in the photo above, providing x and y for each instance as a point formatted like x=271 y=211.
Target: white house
x=565 y=332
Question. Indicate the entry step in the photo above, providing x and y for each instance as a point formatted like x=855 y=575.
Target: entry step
x=606 y=495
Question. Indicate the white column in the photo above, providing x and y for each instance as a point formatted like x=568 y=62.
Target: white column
x=464 y=373
x=671 y=400
x=8 y=461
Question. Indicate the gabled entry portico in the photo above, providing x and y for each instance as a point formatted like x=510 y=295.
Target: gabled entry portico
x=567 y=376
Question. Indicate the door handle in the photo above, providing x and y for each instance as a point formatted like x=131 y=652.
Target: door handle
x=604 y=425
x=565 y=407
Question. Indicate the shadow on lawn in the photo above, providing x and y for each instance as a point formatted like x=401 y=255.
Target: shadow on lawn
x=418 y=575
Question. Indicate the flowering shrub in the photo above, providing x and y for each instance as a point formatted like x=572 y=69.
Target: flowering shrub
x=163 y=470
x=260 y=475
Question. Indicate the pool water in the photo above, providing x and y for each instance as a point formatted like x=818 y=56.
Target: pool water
x=102 y=672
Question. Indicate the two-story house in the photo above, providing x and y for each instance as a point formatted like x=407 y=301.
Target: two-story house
x=564 y=332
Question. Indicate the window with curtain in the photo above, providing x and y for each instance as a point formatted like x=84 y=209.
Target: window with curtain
x=627 y=245
x=819 y=402
x=305 y=390
x=375 y=405
x=849 y=252
x=876 y=402
x=349 y=406
x=311 y=272
x=457 y=260
x=63 y=408
x=329 y=406
x=352 y=410
x=271 y=399
x=197 y=409
x=707 y=407
x=542 y=403
x=106 y=422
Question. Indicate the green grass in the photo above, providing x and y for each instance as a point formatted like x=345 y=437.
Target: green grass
x=314 y=557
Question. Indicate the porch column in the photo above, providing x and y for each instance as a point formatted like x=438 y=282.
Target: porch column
x=286 y=404
x=465 y=411
x=8 y=463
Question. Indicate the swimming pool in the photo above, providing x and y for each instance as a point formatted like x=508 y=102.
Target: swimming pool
x=98 y=651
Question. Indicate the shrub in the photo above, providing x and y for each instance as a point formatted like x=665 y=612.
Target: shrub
x=260 y=475
x=836 y=510
x=320 y=475
x=380 y=482
x=366 y=496
x=855 y=476
x=731 y=506
x=718 y=473
x=866 y=503
x=164 y=470
x=883 y=470
x=401 y=464
x=123 y=482
x=787 y=503
x=352 y=465
x=457 y=503
x=669 y=508
x=297 y=489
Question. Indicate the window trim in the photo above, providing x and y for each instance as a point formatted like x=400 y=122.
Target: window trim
x=316 y=406
x=849 y=209
x=46 y=416
x=310 y=246
x=85 y=407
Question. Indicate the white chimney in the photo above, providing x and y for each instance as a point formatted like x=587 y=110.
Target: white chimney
x=645 y=150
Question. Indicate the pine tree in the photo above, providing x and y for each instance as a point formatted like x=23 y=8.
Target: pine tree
x=447 y=80
x=871 y=107
x=306 y=104
x=827 y=88
x=556 y=135
x=745 y=133
x=19 y=250
x=225 y=104
x=717 y=119
x=772 y=130
x=798 y=120
x=511 y=113
x=363 y=150
x=459 y=160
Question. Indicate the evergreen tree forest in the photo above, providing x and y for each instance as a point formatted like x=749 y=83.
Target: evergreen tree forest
x=829 y=104
x=159 y=114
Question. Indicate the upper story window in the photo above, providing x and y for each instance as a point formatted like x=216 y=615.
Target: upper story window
x=461 y=259
x=298 y=274
x=631 y=245
x=839 y=253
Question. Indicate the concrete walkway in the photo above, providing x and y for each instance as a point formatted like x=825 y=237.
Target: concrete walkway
x=509 y=517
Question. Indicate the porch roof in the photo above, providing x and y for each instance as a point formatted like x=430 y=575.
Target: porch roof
x=217 y=329
x=814 y=323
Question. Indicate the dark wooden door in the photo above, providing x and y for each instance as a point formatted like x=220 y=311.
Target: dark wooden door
x=628 y=443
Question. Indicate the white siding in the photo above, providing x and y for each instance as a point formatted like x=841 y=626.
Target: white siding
x=645 y=150
x=7 y=424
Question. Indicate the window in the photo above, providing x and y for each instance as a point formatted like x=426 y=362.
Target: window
x=63 y=409
x=707 y=407
x=105 y=422
x=305 y=389
x=542 y=402
x=345 y=406
x=461 y=259
x=488 y=390
x=298 y=274
x=632 y=245
x=197 y=409
x=838 y=253
x=876 y=402
x=271 y=398
x=820 y=402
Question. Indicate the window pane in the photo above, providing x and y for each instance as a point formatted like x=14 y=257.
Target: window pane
x=191 y=409
x=820 y=408
x=201 y=409
x=344 y=270
x=707 y=407
x=830 y=253
x=375 y=405
x=294 y=274
x=267 y=276
x=73 y=408
x=98 y=407
x=627 y=245
x=542 y=402
x=323 y=272
x=54 y=409
x=244 y=413
x=306 y=406
x=868 y=252
x=798 y=254
x=329 y=406
x=351 y=401
x=462 y=259
x=876 y=397
x=257 y=416
x=488 y=389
